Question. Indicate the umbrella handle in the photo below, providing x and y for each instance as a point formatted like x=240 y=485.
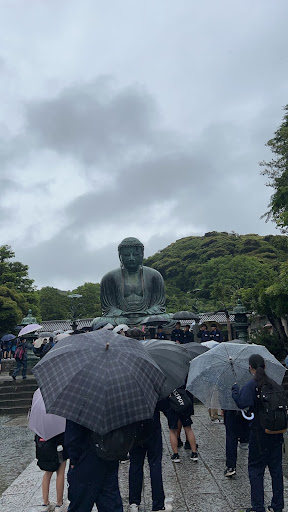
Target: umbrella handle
x=247 y=417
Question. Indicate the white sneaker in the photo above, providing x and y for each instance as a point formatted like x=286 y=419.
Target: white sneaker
x=133 y=507
x=244 y=446
x=61 y=508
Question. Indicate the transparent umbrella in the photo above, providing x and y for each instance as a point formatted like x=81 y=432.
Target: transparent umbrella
x=212 y=374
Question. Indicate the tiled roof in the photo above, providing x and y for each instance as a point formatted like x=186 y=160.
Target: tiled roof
x=64 y=325
x=219 y=318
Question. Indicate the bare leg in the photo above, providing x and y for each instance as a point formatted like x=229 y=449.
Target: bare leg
x=191 y=438
x=60 y=483
x=45 y=486
x=173 y=440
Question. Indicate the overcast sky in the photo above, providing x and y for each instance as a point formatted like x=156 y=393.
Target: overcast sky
x=134 y=118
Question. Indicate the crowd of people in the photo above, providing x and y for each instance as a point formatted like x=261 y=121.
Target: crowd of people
x=93 y=480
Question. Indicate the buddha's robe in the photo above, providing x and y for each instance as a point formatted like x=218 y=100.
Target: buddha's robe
x=129 y=299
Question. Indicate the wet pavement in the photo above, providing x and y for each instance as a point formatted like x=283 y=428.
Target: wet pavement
x=192 y=487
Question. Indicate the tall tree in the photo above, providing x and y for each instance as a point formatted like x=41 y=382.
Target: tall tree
x=277 y=172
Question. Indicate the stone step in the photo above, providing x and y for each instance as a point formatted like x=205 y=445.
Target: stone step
x=11 y=395
x=19 y=402
x=12 y=411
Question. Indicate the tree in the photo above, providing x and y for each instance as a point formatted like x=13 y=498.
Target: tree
x=54 y=304
x=90 y=300
x=12 y=308
x=17 y=291
x=277 y=172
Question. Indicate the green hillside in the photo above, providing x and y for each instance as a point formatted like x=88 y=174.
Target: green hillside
x=207 y=272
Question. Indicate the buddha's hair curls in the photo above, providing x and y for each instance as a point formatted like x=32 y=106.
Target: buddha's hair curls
x=130 y=241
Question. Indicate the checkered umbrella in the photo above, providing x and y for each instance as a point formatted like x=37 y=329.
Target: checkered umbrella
x=100 y=380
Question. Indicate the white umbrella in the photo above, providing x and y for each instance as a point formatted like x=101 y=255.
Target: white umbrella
x=62 y=335
x=29 y=328
x=210 y=343
x=43 y=424
x=120 y=327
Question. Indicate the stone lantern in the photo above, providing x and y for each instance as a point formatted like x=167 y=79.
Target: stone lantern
x=240 y=321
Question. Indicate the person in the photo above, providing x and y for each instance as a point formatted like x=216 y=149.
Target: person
x=91 y=479
x=175 y=420
x=160 y=334
x=203 y=334
x=6 y=347
x=121 y=329
x=46 y=346
x=237 y=429
x=264 y=449
x=177 y=334
x=215 y=334
x=50 y=460
x=21 y=359
x=152 y=447
x=188 y=336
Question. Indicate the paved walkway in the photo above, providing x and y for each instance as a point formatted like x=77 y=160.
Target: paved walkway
x=193 y=487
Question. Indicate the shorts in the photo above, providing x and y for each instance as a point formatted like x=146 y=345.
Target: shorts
x=173 y=417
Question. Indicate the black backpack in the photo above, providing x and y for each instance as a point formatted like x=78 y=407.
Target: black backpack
x=180 y=402
x=46 y=454
x=272 y=407
x=116 y=444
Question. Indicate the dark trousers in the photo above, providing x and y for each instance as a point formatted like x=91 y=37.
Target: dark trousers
x=236 y=428
x=153 y=449
x=20 y=364
x=94 y=480
x=265 y=450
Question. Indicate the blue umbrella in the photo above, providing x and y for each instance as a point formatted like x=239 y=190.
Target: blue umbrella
x=8 y=337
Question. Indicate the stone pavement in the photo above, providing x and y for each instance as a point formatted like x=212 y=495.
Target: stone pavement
x=193 y=487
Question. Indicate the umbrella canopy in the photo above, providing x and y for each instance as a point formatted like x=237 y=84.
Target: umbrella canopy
x=172 y=359
x=212 y=374
x=120 y=327
x=194 y=349
x=62 y=335
x=101 y=324
x=8 y=337
x=43 y=424
x=242 y=342
x=100 y=380
x=155 y=320
x=46 y=334
x=37 y=343
x=210 y=344
x=29 y=328
x=185 y=315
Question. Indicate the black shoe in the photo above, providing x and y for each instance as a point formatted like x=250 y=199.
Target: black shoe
x=230 y=472
x=194 y=456
x=187 y=445
x=175 y=457
x=13 y=377
x=179 y=442
x=125 y=460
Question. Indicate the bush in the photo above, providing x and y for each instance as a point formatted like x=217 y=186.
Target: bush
x=270 y=341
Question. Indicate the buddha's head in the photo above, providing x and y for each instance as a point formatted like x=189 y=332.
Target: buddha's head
x=131 y=253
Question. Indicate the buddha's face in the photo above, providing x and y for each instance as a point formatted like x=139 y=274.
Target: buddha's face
x=131 y=257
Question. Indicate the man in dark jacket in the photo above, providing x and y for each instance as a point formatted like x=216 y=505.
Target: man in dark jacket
x=203 y=334
x=188 y=335
x=215 y=334
x=177 y=334
x=91 y=479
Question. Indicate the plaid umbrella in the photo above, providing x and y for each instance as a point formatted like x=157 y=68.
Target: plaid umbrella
x=100 y=380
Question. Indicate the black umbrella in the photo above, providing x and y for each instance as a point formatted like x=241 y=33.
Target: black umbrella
x=8 y=337
x=173 y=361
x=100 y=380
x=185 y=315
x=195 y=349
x=155 y=320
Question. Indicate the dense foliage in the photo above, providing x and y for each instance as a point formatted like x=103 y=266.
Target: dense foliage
x=209 y=273
x=17 y=293
x=277 y=172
